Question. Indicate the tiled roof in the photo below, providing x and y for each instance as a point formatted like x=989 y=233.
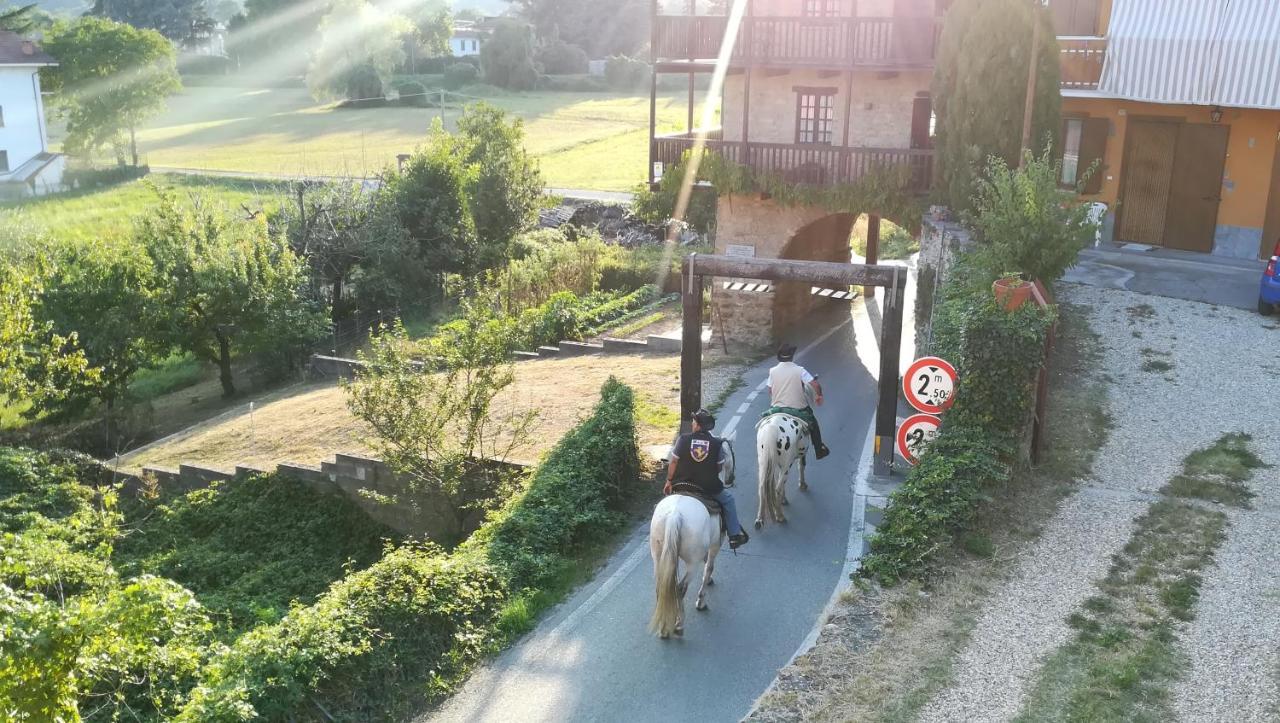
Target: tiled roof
x=15 y=50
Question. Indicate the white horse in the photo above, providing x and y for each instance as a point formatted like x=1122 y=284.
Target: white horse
x=681 y=530
x=780 y=440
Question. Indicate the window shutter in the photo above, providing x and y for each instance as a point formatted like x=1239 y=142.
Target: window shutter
x=1093 y=147
x=921 y=110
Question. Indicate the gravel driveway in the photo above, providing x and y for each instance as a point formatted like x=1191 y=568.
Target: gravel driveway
x=1223 y=368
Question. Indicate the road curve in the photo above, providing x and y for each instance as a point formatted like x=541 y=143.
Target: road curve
x=592 y=659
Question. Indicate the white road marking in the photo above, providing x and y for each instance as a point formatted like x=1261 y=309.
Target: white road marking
x=742 y=408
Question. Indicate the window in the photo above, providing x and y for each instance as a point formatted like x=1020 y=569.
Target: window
x=923 y=122
x=4 y=161
x=1084 y=142
x=1075 y=17
x=819 y=8
x=815 y=115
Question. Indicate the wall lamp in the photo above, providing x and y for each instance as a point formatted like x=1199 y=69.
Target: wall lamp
x=1215 y=115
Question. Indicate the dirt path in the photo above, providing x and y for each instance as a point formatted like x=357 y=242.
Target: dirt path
x=1182 y=374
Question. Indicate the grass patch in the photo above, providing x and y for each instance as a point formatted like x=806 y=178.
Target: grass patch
x=104 y=214
x=1218 y=473
x=895 y=241
x=1124 y=658
x=582 y=140
x=658 y=416
x=171 y=374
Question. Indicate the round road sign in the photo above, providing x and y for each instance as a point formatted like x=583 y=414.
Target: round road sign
x=915 y=434
x=930 y=385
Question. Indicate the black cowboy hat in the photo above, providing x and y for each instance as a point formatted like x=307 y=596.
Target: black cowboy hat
x=705 y=419
x=786 y=352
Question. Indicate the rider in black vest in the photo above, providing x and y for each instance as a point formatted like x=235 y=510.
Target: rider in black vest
x=697 y=458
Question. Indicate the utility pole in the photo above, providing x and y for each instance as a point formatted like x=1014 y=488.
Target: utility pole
x=1028 y=108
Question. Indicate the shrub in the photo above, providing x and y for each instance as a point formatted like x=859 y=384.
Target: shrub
x=88 y=178
x=625 y=73
x=459 y=75
x=551 y=263
x=561 y=58
x=413 y=94
x=560 y=318
x=573 y=83
x=1026 y=222
x=507 y=58
x=628 y=269
x=659 y=206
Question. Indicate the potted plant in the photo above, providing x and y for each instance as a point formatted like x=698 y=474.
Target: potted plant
x=1011 y=290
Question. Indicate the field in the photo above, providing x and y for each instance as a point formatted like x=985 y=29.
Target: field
x=108 y=213
x=594 y=141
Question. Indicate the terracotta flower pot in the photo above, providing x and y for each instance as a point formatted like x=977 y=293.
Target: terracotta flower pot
x=1011 y=292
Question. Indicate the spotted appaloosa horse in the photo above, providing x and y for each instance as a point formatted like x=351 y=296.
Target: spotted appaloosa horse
x=780 y=440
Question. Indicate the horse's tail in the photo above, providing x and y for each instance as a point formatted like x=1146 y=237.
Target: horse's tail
x=666 y=612
x=768 y=469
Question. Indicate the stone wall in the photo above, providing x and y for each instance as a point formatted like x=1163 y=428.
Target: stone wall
x=765 y=229
x=941 y=241
x=879 y=111
x=369 y=483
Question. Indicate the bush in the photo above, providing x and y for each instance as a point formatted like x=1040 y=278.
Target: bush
x=507 y=58
x=561 y=58
x=573 y=83
x=628 y=269
x=413 y=94
x=549 y=263
x=383 y=641
x=658 y=207
x=997 y=355
x=459 y=75
x=625 y=73
x=89 y=178
x=436 y=66
x=363 y=87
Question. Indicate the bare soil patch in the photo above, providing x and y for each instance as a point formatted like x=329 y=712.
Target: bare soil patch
x=309 y=423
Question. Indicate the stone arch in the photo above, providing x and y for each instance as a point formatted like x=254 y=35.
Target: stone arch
x=824 y=239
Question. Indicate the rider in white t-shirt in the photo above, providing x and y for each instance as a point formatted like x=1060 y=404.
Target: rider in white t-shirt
x=787 y=382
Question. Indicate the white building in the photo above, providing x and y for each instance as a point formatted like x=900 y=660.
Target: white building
x=26 y=166
x=466 y=39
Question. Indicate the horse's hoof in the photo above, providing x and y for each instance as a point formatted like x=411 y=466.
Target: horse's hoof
x=759 y=524
x=785 y=502
x=804 y=488
x=664 y=636
x=710 y=582
x=782 y=520
x=701 y=606
x=679 y=631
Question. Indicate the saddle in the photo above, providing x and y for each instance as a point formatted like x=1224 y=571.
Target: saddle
x=689 y=489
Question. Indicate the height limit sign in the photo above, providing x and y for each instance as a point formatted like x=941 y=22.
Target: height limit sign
x=930 y=385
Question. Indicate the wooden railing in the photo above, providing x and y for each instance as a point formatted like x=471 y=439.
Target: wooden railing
x=804 y=163
x=825 y=42
x=1080 y=62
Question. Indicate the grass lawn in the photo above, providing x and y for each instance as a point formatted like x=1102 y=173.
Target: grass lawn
x=584 y=140
x=108 y=213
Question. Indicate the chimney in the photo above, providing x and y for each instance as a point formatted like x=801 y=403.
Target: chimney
x=28 y=47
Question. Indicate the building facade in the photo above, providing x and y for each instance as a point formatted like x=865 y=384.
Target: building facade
x=466 y=39
x=1178 y=101
x=26 y=165
x=819 y=92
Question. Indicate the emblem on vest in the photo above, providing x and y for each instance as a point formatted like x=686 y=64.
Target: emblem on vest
x=699 y=449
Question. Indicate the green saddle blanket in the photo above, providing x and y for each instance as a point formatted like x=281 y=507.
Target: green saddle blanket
x=805 y=415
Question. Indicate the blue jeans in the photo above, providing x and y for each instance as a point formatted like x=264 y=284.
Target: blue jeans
x=730 y=512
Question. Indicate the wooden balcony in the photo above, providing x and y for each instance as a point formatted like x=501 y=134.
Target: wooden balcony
x=832 y=43
x=1080 y=62
x=805 y=164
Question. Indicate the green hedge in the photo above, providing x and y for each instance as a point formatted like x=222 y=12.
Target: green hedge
x=384 y=641
x=997 y=355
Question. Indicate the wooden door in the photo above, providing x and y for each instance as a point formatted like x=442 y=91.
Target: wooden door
x=1195 y=190
x=1271 y=227
x=1144 y=191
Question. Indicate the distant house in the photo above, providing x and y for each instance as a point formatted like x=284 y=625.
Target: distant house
x=1179 y=104
x=466 y=39
x=27 y=167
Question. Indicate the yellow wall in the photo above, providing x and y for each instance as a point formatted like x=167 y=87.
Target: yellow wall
x=1251 y=149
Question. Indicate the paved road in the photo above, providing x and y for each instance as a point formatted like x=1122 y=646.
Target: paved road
x=593 y=660
x=1178 y=275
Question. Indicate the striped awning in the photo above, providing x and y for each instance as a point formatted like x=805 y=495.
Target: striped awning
x=1201 y=52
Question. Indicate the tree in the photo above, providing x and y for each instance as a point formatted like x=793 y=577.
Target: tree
x=171 y=18
x=435 y=423
x=37 y=365
x=230 y=286
x=105 y=294
x=20 y=20
x=110 y=78
x=430 y=200
x=281 y=33
x=223 y=10
x=507 y=57
x=979 y=95
x=601 y=27
x=432 y=27
x=504 y=185
x=360 y=46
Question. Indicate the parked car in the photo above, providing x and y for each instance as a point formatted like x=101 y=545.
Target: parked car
x=1269 y=290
